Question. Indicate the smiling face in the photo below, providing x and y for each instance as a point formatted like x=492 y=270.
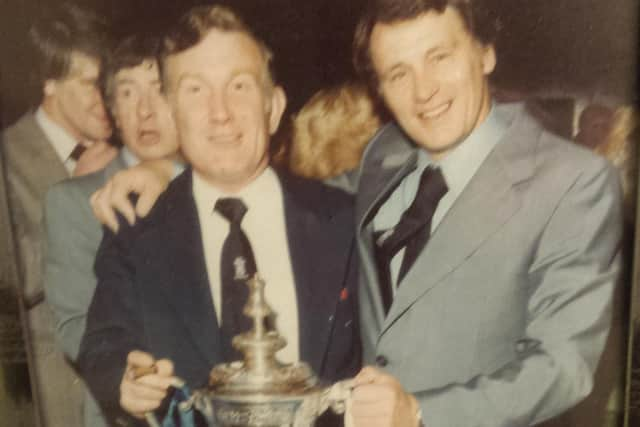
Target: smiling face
x=75 y=102
x=433 y=77
x=142 y=114
x=225 y=107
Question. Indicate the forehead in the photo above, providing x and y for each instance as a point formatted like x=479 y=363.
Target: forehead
x=218 y=54
x=83 y=66
x=394 y=42
x=146 y=70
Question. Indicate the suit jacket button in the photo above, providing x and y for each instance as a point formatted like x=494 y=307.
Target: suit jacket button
x=381 y=361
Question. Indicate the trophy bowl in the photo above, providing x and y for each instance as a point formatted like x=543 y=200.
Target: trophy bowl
x=259 y=391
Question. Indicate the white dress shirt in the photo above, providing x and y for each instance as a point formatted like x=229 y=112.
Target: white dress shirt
x=264 y=225
x=62 y=142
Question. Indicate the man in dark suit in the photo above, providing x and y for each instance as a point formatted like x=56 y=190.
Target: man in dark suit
x=163 y=299
x=66 y=136
x=489 y=247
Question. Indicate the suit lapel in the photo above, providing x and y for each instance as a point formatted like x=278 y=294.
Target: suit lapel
x=36 y=142
x=188 y=289
x=312 y=250
x=392 y=158
x=490 y=199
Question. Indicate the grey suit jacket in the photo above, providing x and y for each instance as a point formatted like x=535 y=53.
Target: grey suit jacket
x=32 y=167
x=503 y=317
x=73 y=237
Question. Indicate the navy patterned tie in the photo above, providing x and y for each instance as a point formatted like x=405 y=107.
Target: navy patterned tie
x=237 y=264
x=412 y=231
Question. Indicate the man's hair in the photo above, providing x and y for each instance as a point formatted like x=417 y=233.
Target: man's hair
x=62 y=30
x=130 y=51
x=475 y=14
x=199 y=21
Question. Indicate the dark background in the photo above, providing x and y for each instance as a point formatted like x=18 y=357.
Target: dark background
x=585 y=48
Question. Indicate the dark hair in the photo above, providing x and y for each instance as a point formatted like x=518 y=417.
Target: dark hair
x=62 y=30
x=475 y=14
x=130 y=51
x=196 y=24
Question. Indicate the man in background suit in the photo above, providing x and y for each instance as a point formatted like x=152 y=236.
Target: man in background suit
x=65 y=136
x=162 y=301
x=143 y=121
x=496 y=307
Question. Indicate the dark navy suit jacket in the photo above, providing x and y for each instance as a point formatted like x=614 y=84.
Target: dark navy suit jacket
x=153 y=291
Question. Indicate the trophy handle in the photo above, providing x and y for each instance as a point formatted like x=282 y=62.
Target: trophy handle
x=336 y=396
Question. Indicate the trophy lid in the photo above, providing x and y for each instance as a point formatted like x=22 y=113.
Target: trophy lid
x=260 y=374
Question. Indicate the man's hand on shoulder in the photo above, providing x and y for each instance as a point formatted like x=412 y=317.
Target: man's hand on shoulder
x=379 y=400
x=95 y=157
x=149 y=180
x=145 y=383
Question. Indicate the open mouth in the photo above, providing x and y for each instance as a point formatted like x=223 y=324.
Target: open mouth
x=148 y=137
x=434 y=113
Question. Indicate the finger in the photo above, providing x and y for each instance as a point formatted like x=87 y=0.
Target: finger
x=120 y=202
x=138 y=406
x=165 y=367
x=147 y=387
x=102 y=209
x=366 y=376
x=147 y=200
x=139 y=359
x=373 y=393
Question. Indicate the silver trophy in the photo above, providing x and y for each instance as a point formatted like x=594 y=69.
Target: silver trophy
x=259 y=391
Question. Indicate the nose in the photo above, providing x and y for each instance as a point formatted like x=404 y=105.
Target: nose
x=426 y=86
x=218 y=108
x=144 y=106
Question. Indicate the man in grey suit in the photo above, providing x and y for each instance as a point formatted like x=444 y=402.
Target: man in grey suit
x=144 y=123
x=489 y=247
x=65 y=136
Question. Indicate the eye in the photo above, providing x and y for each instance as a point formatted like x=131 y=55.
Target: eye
x=441 y=56
x=397 y=76
x=193 y=88
x=124 y=93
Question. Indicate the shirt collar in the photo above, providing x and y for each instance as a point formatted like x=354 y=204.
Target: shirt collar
x=129 y=158
x=459 y=165
x=63 y=143
x=254 y=194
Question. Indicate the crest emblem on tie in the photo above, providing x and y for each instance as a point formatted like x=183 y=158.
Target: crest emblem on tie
x=240 y=268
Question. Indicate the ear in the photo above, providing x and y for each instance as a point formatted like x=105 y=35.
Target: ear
x=278 y=105
x=488 y=59
x=49 y=88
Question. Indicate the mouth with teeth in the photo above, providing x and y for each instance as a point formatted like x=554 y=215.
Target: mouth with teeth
x=435 y=112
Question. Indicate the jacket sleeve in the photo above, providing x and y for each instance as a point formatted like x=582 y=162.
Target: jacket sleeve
x=572 y=279
x=113 y=325
x=69 y=281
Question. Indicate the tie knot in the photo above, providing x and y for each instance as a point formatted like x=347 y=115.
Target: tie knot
x=432 y=184
x=232 y=209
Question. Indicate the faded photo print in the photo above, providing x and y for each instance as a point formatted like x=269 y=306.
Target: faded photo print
x=439 y=197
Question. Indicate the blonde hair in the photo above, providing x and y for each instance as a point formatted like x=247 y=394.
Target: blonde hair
x=620 y=148
x=331 y=131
